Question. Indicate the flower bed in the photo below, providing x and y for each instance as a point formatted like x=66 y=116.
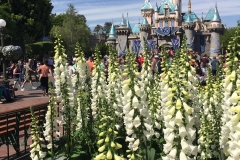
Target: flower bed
x=139 y=117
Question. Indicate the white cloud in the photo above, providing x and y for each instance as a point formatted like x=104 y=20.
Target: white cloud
x=97 y=11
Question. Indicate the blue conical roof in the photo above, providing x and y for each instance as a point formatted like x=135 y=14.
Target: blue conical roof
x=112 y=34
x=189 y=19
x=176 y=7
x=112 y=30
x=144 y=21
x=209 y=15
x=147 y=5
x=216 y=17
x=136 y=29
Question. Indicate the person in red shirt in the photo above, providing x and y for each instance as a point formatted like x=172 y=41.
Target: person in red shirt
x=90 y=64
x=140 y=62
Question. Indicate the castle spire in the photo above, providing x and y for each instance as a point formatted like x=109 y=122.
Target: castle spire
x=189 y=6
x=156 y=7
x=216 y=17
x=112 y=30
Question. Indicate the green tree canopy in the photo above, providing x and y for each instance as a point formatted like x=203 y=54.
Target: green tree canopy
x=97 y=28
x=226 y=37
x=107 y=26
x=27 y=21
x=72 y=27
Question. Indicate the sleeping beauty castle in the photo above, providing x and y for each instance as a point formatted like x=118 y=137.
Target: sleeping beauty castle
x=164 y=25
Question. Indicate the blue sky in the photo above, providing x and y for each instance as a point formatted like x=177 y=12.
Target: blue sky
x=101 y=11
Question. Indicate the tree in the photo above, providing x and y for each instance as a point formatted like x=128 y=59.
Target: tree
x=97 y=28
x=72 y=27
x=226 y=37
x=107 y=26
x=31 y=20
x=10 y=26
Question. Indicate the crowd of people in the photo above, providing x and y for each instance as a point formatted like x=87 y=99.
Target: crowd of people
x=22 y=72
x=201 y=62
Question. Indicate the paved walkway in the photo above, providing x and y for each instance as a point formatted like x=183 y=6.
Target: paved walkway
x=24 y=99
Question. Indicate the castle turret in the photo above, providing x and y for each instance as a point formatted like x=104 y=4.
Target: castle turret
x=111 y=40
x=176 y=10
x=145 y=30
x=216 y=28
x=188 y=26
x=179 y=3
x=147 y=11
x=122 y=33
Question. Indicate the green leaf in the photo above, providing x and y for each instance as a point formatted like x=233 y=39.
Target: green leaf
x=151 y=154
x=75 y=155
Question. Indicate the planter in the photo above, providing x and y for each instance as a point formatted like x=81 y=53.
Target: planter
x=12 y=52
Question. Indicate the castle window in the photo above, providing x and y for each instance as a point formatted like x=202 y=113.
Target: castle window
x=166 y=23
x=161 y=24
x=166 y=12
x=172 y=23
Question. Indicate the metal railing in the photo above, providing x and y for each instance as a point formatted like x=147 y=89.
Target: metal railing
x=15 y=131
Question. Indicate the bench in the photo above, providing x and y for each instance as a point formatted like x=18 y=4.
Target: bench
x=11 y=124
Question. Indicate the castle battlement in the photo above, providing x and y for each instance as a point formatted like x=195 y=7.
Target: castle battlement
x=215 y=26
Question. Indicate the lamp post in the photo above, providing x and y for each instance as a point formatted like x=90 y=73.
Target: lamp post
x=2 y=26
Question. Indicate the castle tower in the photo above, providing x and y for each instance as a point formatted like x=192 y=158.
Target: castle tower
x=179 y=3
x=145 y=30
x=147 y=11
x=177 y=15
x=216 y=28
x=189 y=26
x=122 y=33
x=111 y=40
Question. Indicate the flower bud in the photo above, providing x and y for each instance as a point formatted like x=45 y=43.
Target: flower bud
x=109 y=129
x=113 y=144
x=100 y=141
x=101 y=134
x=178 y=104
x=99 y=157
x=101 y=149
x=132 y=157
x=118 y=146
x=109 y=154
x=107 y=139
